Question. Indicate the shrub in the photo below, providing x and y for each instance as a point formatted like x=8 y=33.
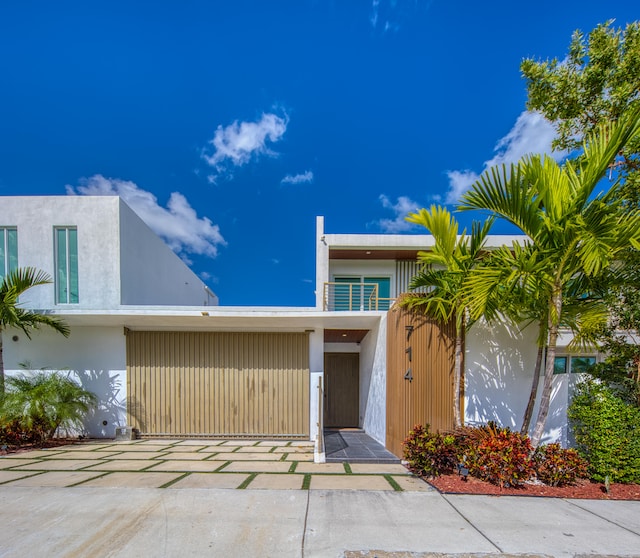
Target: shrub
x=499 y=456
x=557 y=466
x=38 y=403
x=430 y=453
x=607 y=432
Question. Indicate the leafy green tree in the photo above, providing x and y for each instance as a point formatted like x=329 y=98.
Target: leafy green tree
x=445 y=268
x=41 y=402
x=576 y=233
x=13 y=315
x=599 y=80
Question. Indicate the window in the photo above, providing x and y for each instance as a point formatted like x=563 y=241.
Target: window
x=66 y=254
x=8 y=251
x=356 y=293
x=574 y=364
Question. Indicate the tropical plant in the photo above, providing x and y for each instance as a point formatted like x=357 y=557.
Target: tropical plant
x=575 y=233
x=607 y=432
x=558 y=466
x=42 y=402
x=445 y=268
x=429 y=453
x=13 y=315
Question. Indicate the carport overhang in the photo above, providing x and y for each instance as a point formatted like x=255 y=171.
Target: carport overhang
x=210 y=318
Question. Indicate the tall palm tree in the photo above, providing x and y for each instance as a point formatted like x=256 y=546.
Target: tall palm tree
x=575 y=232
x=13 y=315
x=445 y=268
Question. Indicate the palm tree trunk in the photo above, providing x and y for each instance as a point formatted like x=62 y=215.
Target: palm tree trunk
x=545 y=400
x=457 y=379
x=1 y=367
x=528 y=413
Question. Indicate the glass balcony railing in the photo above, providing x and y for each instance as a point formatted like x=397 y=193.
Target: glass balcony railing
x=353 y=297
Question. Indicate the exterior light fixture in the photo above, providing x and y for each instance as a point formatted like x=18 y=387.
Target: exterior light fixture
x=205 y=313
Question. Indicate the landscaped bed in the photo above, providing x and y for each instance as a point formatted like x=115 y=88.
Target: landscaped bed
x=454 y=484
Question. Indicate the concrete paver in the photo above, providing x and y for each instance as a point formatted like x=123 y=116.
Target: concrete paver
x=55 y=478
x=337 y=468
x=186 y=448
x=120 y=465
x=133 y=480
x=349 y=482
x=258 y=467
x=6 y=476
x=36 y=454
x=293 y=449
x=239 y=443
x=247 y=456
x=146 y=456
x=200 y=466
x=184 y=455
x=299 y=457
x=6 y=462
x=381 y=468
x=254 y=449
x=412 y=484
x=59 y=465
x=270 y=481
x=85 y=455
x=273 y=443
x=203 y=480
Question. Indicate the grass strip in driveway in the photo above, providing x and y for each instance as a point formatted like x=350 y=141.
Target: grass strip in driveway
x=247 y=481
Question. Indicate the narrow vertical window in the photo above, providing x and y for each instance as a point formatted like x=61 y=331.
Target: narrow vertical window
x=66 y=252
x=8 y=251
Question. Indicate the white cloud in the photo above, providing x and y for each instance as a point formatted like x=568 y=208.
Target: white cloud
x=302 y=178
x=531 y=133
x=236 y=144
x=401 y=209
x=178 y=224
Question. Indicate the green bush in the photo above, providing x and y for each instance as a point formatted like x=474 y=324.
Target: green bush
x=607 y=432
x=500 y=456
x=39 y=403
x=430 y=454
x=556 y=466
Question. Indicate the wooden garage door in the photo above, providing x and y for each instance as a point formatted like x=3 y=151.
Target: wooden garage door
x=225 y=384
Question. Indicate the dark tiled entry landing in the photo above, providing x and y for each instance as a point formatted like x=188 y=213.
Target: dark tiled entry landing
x=354 y=446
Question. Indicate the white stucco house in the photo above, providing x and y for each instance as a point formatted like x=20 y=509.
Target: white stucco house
x=151 y=340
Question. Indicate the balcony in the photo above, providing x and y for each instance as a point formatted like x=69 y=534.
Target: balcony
x=353 y=297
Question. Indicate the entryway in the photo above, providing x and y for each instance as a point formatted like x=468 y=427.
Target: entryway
x=353 y=445
x=341 y=390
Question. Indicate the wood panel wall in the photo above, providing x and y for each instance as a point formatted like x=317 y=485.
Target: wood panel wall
x=218 y=383
x=427 y=397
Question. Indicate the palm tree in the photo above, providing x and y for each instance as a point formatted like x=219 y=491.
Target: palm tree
x=507 y=285
x=12 y=315
x=576 y=234
x=445 y=268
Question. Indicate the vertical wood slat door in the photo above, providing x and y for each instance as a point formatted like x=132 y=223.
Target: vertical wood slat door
x=342 y=389
x=218 y=383
x=428 y=349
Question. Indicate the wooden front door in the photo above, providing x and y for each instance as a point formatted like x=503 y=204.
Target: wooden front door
x=342 y=389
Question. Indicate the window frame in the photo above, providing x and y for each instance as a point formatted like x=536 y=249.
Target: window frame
x=66 y=280
x=9 y=260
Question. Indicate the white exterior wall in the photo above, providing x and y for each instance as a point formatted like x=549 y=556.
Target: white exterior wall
x=96 y=356
x=152 y=274
x=499 y=366
x=96 y=219
x=373 y=381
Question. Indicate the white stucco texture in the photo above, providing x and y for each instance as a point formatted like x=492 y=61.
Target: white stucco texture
x=94 y=356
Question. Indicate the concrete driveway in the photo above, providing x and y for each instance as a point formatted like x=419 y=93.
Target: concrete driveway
x=189 y=498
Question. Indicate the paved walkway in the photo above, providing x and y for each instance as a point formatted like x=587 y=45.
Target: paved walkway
x=194 y=463
x=242 y=498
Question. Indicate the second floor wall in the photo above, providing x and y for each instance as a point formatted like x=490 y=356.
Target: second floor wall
x=98 y=252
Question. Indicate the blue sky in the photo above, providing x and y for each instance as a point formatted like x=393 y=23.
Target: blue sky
x=228 y=126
